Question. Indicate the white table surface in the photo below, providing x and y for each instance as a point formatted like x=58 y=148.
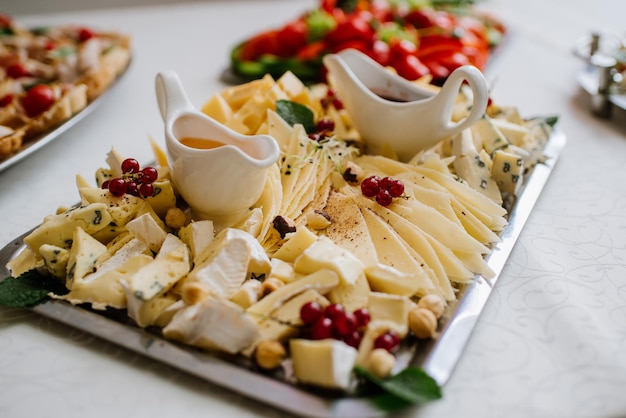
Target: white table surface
x=552 y=339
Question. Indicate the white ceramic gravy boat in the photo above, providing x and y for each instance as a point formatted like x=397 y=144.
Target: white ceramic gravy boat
x=219 y=183
x=414 y=118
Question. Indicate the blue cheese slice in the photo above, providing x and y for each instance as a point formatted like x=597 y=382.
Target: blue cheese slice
x=508 y=171
x=169 y=266
x=55 y=259
x=83 y=256
x=58 y=229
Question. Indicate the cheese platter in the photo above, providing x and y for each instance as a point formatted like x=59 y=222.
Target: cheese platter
x=299 y=247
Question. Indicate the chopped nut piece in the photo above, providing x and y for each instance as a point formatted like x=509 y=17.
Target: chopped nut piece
x=381 y=362
x=269 y=354
x=195 y=292
x=423 y=323
x=434 y=303
x=175 y=218
x=352 y=173
x=318 y=219
x=271 y=284
x=283 y=225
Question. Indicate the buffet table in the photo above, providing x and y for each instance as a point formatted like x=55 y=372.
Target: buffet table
x=551 y=341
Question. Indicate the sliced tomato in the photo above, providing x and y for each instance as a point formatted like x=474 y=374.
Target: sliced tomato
x=255 y=47
x=291 y=38
x=37 y=100
x=409 y=67
x=311 y=51
x=355 y=28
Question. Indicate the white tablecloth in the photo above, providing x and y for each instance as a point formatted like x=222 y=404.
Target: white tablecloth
x=552 y=339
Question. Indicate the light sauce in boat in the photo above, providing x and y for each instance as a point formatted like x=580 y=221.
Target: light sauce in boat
x=200 y=143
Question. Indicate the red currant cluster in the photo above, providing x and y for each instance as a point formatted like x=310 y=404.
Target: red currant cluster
x=384 y=189
x=134 y=181
x=335 y=322
x=331 y=99
x=323 y=129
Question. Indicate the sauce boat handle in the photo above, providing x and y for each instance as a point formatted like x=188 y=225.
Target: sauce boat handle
x=449 y=92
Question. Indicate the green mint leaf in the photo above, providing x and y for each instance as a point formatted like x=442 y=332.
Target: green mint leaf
x=295 y=113
x=29 y=289
x=412 y=386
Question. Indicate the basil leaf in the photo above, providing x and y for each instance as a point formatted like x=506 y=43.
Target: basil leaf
x=29 y=289
x=295 y=113
x=412 y=385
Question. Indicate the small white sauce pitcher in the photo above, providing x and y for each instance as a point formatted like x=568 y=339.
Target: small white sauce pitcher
x=219 y=183
x=416 y=118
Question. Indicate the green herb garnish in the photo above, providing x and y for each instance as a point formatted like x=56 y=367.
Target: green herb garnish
x=295 y=113
x=411 y=386
x=29 y=289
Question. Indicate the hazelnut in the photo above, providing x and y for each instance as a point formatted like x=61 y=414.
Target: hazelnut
x=269 y=285
x=269 y=354
x=175 y=218
x=381 y=362
x=195 y=292
x=284 y=225
x=434 y=303
x=422 y=322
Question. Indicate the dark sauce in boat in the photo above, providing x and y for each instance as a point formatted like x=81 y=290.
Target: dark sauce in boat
x=385 y=95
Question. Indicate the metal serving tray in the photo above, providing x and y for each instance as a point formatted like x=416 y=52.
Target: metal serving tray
x=438 y=358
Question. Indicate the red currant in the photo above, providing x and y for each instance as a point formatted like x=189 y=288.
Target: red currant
x=333 y=310
x=117 y=187
x=130 y=165
x=325 y=125
x=370 y=186
x=146 y=190
x=131 y=188
x=354 y=339
x=362 y=317
x=149 y=175
x=344 y=324
x=385 y=183
x=388 y=341
x=322 y=329
x=105 y=184
x=338 y=104
x=384 y=197
x=396 y=189
x=311 y=312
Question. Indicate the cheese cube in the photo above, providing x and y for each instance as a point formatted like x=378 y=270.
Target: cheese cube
x=327 y=363
x=324 y=253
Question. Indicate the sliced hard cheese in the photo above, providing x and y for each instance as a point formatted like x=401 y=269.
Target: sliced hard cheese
x=197 y=235
x=322 y=280
x=324 y=253
x=393 y=309
x=332 y=364
x=148 y=231
x=285 y=321
x=295 y=245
